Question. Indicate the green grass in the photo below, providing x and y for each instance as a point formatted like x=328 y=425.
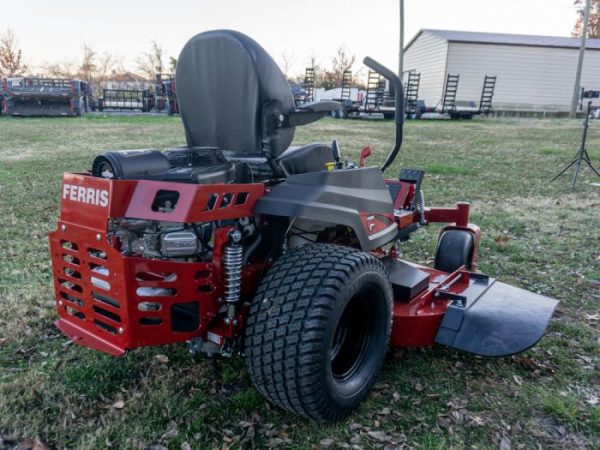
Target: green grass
x=535 y=234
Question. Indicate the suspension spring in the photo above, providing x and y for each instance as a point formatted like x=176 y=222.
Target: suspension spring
x=421 y=206
x=232 y=264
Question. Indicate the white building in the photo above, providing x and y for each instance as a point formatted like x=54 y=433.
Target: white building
x=534 y=73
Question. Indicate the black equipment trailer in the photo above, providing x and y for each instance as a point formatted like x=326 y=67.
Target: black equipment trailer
x=411 y=96
x=309 y=84
x=467 y=109
x=348 y=106
x=376 y=100
x=34 y=96
x=126 y=100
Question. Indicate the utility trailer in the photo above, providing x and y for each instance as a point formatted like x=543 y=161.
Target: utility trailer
x=348 y=106
x=466 y=109
x=309 y=84
x=34 y=96
x=304 y=92
x=126 y=100
x=411 y=97
x=379 y=98
x=166 y=94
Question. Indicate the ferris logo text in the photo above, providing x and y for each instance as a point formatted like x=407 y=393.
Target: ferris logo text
x=81 y=194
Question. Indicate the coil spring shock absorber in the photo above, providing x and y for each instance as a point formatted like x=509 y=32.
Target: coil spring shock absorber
x=421 y=207
x=232 y=265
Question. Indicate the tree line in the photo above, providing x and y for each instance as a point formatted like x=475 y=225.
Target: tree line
x=97 y=68
x=100 y=67
x=594 y=22
x=94 y=67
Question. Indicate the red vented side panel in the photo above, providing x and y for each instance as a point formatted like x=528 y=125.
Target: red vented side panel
x=112 y=302
x=107 y=295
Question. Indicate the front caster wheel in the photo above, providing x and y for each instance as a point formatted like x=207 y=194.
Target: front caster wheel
x=455 y=248
x=318 y=330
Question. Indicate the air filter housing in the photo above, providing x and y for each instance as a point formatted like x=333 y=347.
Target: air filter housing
x=131 y=164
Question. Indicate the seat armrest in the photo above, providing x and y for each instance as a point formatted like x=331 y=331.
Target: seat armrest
x=322 y=106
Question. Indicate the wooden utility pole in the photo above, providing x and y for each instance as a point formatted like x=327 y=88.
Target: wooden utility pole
x=401 y=49
x=586 y=19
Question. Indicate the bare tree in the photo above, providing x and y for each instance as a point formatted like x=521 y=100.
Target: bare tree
x=287 y=61
x=106 y=65
x=172 y=64
x=593 y=24
x=60 y=69
x=342 y=61
x=151 y=62
x=315 y=63
x=88 y=68
x=332 y=78
x=11 y=55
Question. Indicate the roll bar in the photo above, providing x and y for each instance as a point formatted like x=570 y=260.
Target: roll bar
x=395 y=81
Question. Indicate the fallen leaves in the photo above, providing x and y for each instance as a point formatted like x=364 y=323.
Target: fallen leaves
x=505 y=443
x=119 y=404
x=518 y=380
x=32 y=444
x=327 y=443
x=163 y=359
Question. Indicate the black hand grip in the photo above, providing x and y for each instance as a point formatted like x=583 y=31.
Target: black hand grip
x=394 y=81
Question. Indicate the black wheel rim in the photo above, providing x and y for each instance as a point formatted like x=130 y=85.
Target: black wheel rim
x=352 y=336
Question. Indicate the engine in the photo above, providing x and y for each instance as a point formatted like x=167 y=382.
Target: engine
x=174 y=241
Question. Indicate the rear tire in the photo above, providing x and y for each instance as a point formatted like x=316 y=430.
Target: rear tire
x=454 y=249
x=318 y=330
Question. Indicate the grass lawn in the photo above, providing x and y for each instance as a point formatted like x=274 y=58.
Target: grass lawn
x=535 y=234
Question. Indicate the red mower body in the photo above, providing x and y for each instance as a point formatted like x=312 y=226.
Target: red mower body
x=98 y=288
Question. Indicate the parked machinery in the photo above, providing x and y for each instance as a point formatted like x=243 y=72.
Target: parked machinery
x=309 y=84
x=166 y=94
x=126 y=100
x=379 y=98
x=466 y=109
x=412 y=103
x=34 y=96
x=348 y=105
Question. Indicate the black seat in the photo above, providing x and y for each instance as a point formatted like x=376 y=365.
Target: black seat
x=233 y=96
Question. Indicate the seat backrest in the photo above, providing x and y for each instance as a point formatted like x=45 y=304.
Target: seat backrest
x=229 y=90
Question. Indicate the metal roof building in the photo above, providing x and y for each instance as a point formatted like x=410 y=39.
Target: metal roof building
x=535 y=73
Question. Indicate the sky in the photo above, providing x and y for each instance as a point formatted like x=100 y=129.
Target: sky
x=56 y=30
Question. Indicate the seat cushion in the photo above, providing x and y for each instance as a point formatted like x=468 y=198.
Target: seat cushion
x=305 y=159
x=229 y=90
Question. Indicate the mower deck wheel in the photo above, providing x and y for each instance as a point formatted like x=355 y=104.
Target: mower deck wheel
x=454 y=249
x=318 y=330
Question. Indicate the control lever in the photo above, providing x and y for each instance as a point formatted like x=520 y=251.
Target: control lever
x=364 y=154
x=336 y=154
